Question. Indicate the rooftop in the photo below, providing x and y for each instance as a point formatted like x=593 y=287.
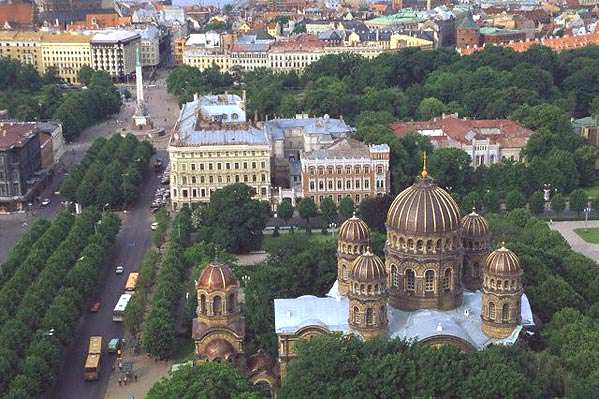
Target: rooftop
x=334 y=128
x=505 y=132
x=346 y=148
x=114 y=36
x=331 y=312
x=15 y=134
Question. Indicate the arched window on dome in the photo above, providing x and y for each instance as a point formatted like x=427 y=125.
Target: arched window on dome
x=429 y=245
x=447 y=280
x=203 y=304
x=491 y=311
x=505 y=313
x=369 y=289
x=402 y=243
x=419 y=245
x=344 y=275
x=513 y=284
x=362 y=289
x=394 y=276
x=369 y=317
x=492 y=283
x=410 y=280
x=447 y=245
x=217 y=306
x=429 y=280
x=410 y=244
x=356 y=315
x=506 y=284
x=438 y=245
x=376 y=288
x=231 y=303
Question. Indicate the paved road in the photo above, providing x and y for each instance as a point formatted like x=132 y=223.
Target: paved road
x=132 y=242
x=566 y=229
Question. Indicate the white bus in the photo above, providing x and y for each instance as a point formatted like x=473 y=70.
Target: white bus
x=121 y=305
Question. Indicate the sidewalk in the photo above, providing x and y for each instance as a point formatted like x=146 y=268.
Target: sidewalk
x=148 y=373
x=566 y=229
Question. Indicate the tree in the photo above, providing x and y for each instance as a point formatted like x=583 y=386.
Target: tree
x=430 y=107
x=578 y=201
x=450 y=167
x=328 y=209
x=373 y=210
x=307 y=209
x=536 y=203
x=285 y=210
x=85 y=74
x=558 y=203
x=514 y=200
x=209 y=380
x=346 y=207
x=472 y=200
x=233 y=220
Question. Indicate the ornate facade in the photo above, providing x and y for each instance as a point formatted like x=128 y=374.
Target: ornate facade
x=424 y=248
x=352 y=241
x=502 y=293
x=368 y=296
x=476 y=241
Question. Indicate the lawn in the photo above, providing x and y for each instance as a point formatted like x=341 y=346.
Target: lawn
x=316 y=236
x=592 y=192
x=589 y=235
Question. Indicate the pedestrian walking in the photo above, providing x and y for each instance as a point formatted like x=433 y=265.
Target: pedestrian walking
x=120 y=381
x=135 y=376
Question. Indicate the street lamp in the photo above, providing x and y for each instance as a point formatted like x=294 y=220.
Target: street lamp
x=333 y=226
x=104 y=207
x=587 y=212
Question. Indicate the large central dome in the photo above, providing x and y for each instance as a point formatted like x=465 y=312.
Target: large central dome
x=422 y=209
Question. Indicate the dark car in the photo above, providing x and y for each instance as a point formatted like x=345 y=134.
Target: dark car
x=95 y=308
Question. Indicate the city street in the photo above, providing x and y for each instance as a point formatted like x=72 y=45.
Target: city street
x=132 y=242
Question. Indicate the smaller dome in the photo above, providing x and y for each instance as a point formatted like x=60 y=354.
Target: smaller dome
x=502 y=261
x=217 y=277
x=219 y=349
x=474 y=225
x=260 y=361
x=368 y=268
x=354 y=229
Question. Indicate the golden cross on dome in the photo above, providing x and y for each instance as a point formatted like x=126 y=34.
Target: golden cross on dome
x=424 y=172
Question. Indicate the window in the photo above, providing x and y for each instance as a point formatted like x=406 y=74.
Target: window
x=410 y=280
x=184 y=193
x=505 y=313
x=312 y=186
x=210 y=166
x=429 y=280
x=193 y=166
x=193 y=179
x=217 y=306
x=356 y=315
x=339 y=185
x=447 y=280
x=491 y=311
x=369 y=317
x=203 y=304
x=394 y=276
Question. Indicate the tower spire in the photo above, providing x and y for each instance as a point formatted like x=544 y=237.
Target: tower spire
x=424 y=172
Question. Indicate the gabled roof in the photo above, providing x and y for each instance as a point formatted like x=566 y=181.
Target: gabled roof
x=467 y=22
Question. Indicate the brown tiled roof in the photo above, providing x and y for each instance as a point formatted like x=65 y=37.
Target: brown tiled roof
x=16 y=13
x=508 y=133
x=15 y=134
x=303 y=42
x=555 y=43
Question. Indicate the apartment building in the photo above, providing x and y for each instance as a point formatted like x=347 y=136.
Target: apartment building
x=22 y=46
x=67 y=53
x=114 y=52
x=212 y=146
x=346 y=168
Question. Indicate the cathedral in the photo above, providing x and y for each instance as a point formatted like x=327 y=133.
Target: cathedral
x=439 y=283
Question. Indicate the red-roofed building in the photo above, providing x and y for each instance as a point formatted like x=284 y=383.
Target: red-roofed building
x=487 y=141
x=17 y=16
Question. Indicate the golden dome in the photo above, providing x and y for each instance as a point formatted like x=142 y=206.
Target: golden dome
x=217 y=277
x=368 y=268
x=424 y=208
x=354 y=230
x=502 y=261
x=474 y=225
x=219 y=349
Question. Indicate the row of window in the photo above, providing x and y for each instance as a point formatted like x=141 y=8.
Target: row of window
x=217 y=307
x=505 y=285
x=339 y=197
x=420 y=245
x=429 y=279
x=218 y=154
x=205 y=192
x=369 y=316
x=505 y=312
x=357 y=169
x=182 y=167
x=357 y=184
x=220 y=179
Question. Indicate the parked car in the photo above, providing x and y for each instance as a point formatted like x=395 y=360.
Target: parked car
x=154 y=226
x=95 y=308
x=120 y=269
x=114 y=344
x=46 y=202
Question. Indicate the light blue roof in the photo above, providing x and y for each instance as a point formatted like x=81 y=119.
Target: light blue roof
x=332 y=311
x=312 y=126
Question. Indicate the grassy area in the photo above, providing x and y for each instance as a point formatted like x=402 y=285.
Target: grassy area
x=589 y=235
x=592 y=192
x=316 y=236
